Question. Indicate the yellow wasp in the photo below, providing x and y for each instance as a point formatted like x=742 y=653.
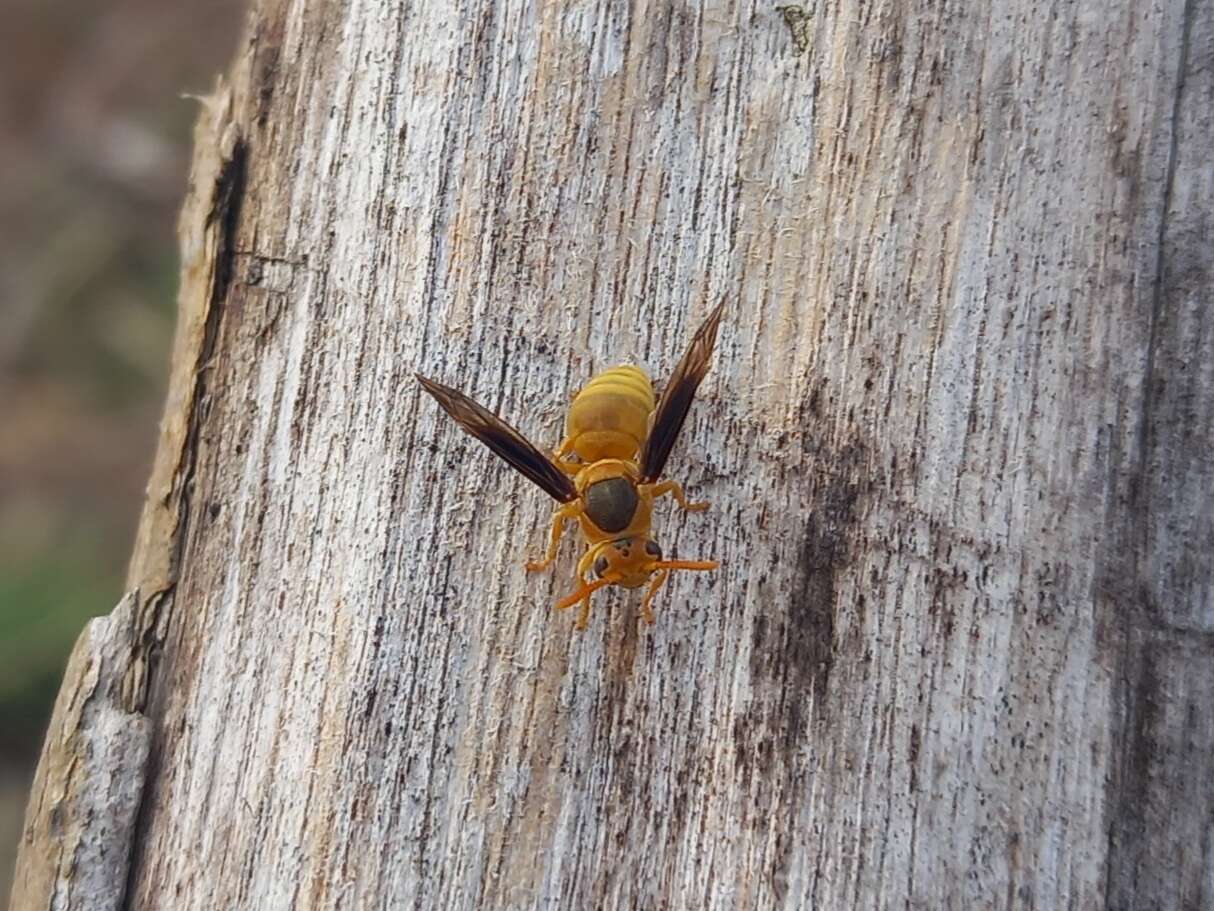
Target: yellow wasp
x=596 y=475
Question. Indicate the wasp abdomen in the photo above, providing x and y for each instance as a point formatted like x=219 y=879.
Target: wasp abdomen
x=609 y=418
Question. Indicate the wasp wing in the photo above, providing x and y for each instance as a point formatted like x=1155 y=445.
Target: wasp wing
x=677 y=396
x=503 y=440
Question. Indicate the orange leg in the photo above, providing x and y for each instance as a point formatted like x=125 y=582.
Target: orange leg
x=582 y=596
x=568 y=511
x=664 y=567
x=560 y=457
x=658 y=581
x=676 y=489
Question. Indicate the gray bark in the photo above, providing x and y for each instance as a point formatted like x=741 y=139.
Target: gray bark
x=76 y=849
x=957 y=440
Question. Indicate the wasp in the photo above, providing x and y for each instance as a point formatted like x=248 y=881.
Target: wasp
x=606 y=473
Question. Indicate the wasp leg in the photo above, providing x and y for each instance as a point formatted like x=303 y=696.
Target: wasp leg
x=676 y=489
x=582 y=596
x=560 y=457
x=658 y=581
x=585 y=562
x=568 y=511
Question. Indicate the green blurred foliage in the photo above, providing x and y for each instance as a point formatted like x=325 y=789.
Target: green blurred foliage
x=94 y=149
x=94 y=136
x=43 y=603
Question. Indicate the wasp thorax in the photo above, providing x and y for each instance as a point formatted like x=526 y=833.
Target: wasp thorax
x=611 y=504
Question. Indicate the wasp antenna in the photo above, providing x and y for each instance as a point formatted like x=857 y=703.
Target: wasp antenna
x=587 y=589
x=686 y=564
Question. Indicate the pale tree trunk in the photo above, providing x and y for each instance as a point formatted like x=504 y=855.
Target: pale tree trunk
x=957 y=439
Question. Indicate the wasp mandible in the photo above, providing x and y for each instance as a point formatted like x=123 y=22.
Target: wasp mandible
x=606 y=472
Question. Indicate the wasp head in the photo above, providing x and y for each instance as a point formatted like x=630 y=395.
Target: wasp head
x=627 y=561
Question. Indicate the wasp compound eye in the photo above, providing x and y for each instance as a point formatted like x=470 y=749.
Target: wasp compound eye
x=600 y=566
x=651 y=548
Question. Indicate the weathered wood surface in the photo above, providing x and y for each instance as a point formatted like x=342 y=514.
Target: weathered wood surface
x=75 y=852
x=957 y=438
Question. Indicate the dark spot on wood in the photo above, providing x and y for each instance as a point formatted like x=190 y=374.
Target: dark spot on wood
x=369 y=705
x=794 y=650
x=225 y=209
x=1131 y=776
x=800 y=24
x=794 y=645
x=1163 y=760
x=267 y=49
x=808 y=647
x=267 y=74
x=624 y=761
x=941 y=608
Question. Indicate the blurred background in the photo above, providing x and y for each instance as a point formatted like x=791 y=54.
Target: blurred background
x=94 y=151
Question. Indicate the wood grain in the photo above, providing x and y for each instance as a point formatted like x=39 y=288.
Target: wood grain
x=75 y=851
x=956 y=438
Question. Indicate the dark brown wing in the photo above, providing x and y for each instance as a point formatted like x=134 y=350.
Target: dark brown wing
x=503 y=440
x=676 y=398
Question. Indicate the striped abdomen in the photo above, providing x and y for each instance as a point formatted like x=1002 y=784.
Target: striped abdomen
x=609 y=418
